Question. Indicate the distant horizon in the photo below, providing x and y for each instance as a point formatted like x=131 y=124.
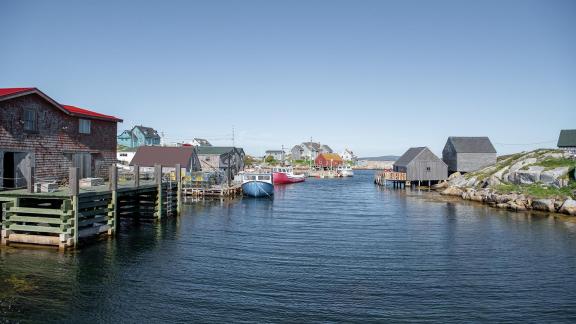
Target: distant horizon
x=377 y=77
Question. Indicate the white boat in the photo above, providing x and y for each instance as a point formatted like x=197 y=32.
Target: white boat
x=345 y=171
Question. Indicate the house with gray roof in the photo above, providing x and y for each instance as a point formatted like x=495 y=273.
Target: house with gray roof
x=277 y=155
x=420 y=164
x=567 y=140
x=200 y=142
x=326 y=149
x=310 y=150
x=139 y=136
x=297 y=152
x=468 y=154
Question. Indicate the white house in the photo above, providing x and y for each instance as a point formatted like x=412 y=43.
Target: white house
x=348 y=155
x=125 y=156
x=278 y=155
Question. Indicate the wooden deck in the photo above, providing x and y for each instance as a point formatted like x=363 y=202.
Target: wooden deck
x=396 y=179
x=70 y=216
x=212 y=191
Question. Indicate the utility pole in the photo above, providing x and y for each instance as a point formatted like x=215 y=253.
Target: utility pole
x=233 y=137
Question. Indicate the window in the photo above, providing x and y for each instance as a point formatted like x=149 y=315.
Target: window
x=428 y=169
x=30 y=120
x=124 y=154
x=84 y=126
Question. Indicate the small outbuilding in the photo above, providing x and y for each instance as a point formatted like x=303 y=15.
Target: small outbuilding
x=328 y=160
x=420 y=164
x=567 y=140
x=467 y=154
x=168 y=157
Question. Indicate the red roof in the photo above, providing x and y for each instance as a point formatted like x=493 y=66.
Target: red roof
x=9 y=91
x=88 y=113
x=72 y=110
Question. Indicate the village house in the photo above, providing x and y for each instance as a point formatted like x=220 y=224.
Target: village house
x=200 y=142
x=216 y=158
x=124 y=155
x=139 y=136
x=328 y=160
x=420 y=164
x=37 y=131
x=567 y=140
x=325 y=149
x=277 y=155
x=467 y=154
x=348 y=156
x=297 y=152
x=167 y=156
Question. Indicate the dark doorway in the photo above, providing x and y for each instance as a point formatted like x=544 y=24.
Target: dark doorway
x=9 y=170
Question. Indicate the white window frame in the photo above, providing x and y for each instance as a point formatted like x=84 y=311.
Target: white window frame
x=84 y=126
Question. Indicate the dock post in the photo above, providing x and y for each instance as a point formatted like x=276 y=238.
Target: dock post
x=179 y=188
x=136 y=176
x=113 y=210
x=31 y=180
x=158 y=179
x=74 y=183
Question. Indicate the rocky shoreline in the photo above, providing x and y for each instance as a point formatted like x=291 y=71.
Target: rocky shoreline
x=513 y=201
x=549 y=172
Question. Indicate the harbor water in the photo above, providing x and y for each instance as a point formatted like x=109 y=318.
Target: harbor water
x=326 y=250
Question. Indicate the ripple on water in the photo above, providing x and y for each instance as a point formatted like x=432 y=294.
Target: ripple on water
x=327 y=250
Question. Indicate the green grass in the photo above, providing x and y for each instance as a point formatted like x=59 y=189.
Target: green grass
x=537 y=190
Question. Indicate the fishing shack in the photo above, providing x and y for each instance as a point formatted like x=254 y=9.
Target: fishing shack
x=421 y=165
x=38 y=132
x=467 y=154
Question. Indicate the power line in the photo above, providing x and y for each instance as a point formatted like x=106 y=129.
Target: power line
x=520 y=144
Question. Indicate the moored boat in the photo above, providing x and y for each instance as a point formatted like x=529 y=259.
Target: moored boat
x=345 y=171
x=257 y=185
x=285 y=175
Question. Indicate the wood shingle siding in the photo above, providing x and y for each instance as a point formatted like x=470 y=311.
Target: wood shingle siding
x=467 y=154
x=51 y=147
x=420 y=164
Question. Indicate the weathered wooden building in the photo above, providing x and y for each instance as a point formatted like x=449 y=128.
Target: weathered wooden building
x=420 y=164
x=37 y=131
x=168 y=157
x=567 y=140
x=467 y=154
x=221 y=158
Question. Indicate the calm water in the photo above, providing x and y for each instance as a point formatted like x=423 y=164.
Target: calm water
x=322 y=251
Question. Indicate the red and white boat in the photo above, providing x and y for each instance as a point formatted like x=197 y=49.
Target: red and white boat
x=285 y=175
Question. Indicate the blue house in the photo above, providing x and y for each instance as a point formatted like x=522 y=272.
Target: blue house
x=139 y=136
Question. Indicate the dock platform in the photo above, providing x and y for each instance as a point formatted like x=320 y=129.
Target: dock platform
x=71 y=216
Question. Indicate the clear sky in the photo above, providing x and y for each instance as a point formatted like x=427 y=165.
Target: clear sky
x=374 y=76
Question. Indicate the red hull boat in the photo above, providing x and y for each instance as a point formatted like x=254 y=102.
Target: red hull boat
x=286 y=176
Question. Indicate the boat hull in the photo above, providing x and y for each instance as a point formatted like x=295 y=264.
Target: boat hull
x=258 y=189
x=283 y=178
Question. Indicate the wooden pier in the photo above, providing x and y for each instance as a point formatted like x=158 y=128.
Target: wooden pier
x=71 y=216
x=397 y=179
x=213 y=191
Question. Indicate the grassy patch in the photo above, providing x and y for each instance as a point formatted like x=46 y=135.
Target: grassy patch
x=537 y=190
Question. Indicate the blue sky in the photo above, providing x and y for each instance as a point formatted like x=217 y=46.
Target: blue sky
x=374 y=76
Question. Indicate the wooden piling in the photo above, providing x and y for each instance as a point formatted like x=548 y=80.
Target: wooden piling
x=113 y=206
x=178 y=175
x=74 y=184
x=136 y=176
x=30 y=185
x=158 y=179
